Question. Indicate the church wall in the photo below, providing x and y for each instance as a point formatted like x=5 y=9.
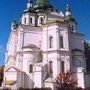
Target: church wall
x=64 y=33
x=27 y=59
x=25 y=19
x=87 y=80
x=80 y=78
x=28 y=82
x=78 y=60
x=19 y=62
x=38 y=79
x=12 y=44
x=40 y=19
x=52 y=16
x=55 y=32
x=11 y=61
x=8 y=75
x=47 y=32
x=32 y=37
x=20 y=40
x=20 y=78
x=76 y=42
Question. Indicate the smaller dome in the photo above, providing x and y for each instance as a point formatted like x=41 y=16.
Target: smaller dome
x=31 y=10
x=69 y=18
x=68 y=15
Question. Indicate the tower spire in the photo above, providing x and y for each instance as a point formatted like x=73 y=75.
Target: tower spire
x=68 y=14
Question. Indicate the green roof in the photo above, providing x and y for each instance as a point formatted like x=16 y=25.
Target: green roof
x=31 y=9
x=69 y=18
x=42 y=5
x=15 y=25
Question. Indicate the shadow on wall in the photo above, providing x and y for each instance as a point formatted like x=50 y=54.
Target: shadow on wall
x=28 y=82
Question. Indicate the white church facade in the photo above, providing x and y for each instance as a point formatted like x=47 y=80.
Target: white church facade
x=43 y=44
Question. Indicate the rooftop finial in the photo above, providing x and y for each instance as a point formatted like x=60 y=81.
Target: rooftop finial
x=14 y=25
x=68 y=2
x=68 y=14
x=29 y=4
x=30 y=1
x=68 y=11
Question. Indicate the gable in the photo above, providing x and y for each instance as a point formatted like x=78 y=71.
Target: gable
x=11 y=69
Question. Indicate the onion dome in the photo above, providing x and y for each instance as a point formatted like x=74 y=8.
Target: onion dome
x=68 y=14
x=42 y=5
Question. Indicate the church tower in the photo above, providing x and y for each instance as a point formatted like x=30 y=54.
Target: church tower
x=29 y=16
x=41 y=7
x=69 y=19
x=76 y=46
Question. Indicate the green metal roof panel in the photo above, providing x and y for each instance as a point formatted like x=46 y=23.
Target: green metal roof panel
x=42 y=4
x=31 y=9
x=69 y=18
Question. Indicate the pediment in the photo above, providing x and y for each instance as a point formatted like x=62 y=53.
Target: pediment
x=12 y=69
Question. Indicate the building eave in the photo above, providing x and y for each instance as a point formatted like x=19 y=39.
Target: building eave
x=53 y=22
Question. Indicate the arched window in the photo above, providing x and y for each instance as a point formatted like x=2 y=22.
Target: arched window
x=51 y=42
x=41 y=19
x=62 y=66
x=61 y=42
x=40 y=57
x=25 y=20
x=50 y=66
x=30 y=68
x=72 y=27
x=30 y=19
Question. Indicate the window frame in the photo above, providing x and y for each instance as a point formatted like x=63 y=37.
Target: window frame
x=30 y=68
x=61 y=43
x=62 y=66
x=25 y=20
x=31 y=20
x=50 y=42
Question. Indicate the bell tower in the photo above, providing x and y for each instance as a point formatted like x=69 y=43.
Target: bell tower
x=70 y=19
x=29 y=16
x=41 y=6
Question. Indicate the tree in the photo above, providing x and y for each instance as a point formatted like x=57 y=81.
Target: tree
x=87 y=55
x=65 y=80
x=1 y=74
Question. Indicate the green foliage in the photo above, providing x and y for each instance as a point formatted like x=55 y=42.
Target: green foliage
x=87 y=55
x=65 y=80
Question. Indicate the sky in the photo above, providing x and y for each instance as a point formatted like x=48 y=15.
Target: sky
x=12 y=9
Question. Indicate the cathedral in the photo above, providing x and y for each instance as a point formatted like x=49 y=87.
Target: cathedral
x=44 y=43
